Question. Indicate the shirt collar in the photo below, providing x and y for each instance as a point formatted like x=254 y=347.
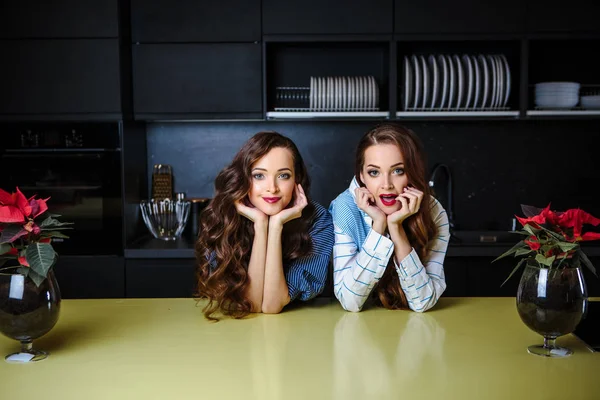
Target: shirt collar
x=353 y=185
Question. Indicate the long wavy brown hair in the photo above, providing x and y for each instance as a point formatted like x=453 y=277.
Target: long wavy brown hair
x=224 y=244
x=420 y=228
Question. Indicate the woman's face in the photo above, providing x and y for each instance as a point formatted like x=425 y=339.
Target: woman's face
x=273 y=181
x=384 y=176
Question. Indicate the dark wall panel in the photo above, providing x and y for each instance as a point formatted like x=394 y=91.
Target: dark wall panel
x=496 y=165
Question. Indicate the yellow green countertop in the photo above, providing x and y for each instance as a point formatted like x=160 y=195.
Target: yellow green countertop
x=464 y=348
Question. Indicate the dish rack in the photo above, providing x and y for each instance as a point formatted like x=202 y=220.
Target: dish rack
x=330 y=94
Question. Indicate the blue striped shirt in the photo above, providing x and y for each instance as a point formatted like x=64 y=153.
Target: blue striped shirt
x=306 y=276
x=360 y=256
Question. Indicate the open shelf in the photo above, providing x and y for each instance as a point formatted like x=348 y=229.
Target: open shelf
x=327 y=80
x=326 y=114
x=458 y=114
x=562 y=113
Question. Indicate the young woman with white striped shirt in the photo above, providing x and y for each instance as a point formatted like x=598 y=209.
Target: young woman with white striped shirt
x=391 y=235
x=262 y=242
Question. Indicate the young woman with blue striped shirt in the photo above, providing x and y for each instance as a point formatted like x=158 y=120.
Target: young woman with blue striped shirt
x=263 y=243
x=391 y=235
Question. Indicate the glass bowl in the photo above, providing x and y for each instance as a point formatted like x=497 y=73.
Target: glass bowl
x=165 y=219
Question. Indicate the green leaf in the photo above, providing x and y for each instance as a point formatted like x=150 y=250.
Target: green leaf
x=40 y=257
x=11 y=233
x=23 y=270
x=54 y=234
x=4 y=248
x=35 y=277
x=545 y=260
x=566 y=246
x=532 y=231
x=586 y=261
x=523 y=251
x=555 y=235
x=512 y=250
x=520 y=233
x=514 y=270
x=51 y=222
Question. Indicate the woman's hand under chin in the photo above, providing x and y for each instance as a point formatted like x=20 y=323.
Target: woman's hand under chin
x=364 y=198
x=291 y=213
x=411 y=203
x=252 y=213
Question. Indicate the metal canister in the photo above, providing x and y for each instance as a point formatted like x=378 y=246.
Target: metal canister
x=198 y=205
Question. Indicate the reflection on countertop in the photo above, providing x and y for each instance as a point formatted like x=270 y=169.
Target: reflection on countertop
x=366 y=367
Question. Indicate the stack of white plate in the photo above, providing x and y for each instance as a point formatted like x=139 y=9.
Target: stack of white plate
x=557 y=94
x=455 y=82
x=344 y=93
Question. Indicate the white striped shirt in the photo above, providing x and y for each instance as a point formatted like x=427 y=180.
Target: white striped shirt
x=360 y=256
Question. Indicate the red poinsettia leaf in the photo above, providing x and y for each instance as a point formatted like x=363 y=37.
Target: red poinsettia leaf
x=533 y=245
x=11 y=252
x=590 y=236
x=23 y=261
x=6 y=198
x=22 y=203
x=42 y=207
x=9 y=214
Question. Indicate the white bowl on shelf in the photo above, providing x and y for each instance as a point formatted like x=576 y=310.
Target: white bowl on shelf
x=590 y=102
x=556 y=101
x=575 y=86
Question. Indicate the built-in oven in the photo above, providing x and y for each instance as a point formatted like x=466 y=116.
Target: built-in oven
x=78 y=167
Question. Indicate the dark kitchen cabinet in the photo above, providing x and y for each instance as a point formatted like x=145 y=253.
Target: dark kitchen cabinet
x=459 y=17
x=160 y=278
x=327 y=17
x=59 y=19
x=197 y=80
x=195 y=21
x=88 y=277
x=484 y=278
x=554 y=16
x=59 y=77
x=455 y=271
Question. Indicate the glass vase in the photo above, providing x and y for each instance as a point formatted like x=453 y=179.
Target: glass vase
x=551 y=302
x=27 y=311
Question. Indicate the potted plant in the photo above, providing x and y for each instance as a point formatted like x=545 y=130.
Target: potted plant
x=29 y=294
x=552 y=295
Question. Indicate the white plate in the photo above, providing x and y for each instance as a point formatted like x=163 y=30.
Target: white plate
x=493 y=80
x=478 y=82
x=461 y=82
x=371 y=92
x=317 y=94
x=426 y=89
x=376 y=93
x=453 y=77
x=417 y=80
x=361 y=93
x=501 y=79
x=470 y=78
x=506 y=80
x=312 y=90
x=445 y=81
x=436 y=82
x=408 y=85
x=485 y=101
x=350 y=103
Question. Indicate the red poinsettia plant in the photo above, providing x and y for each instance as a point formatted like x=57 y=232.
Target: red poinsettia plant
x=552 y=238
x=26 y=231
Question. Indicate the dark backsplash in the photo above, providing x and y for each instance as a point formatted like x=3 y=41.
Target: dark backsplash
x=496 y=165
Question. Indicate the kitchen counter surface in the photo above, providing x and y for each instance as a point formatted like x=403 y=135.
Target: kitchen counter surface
x=471 y=348
x=149 y=247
